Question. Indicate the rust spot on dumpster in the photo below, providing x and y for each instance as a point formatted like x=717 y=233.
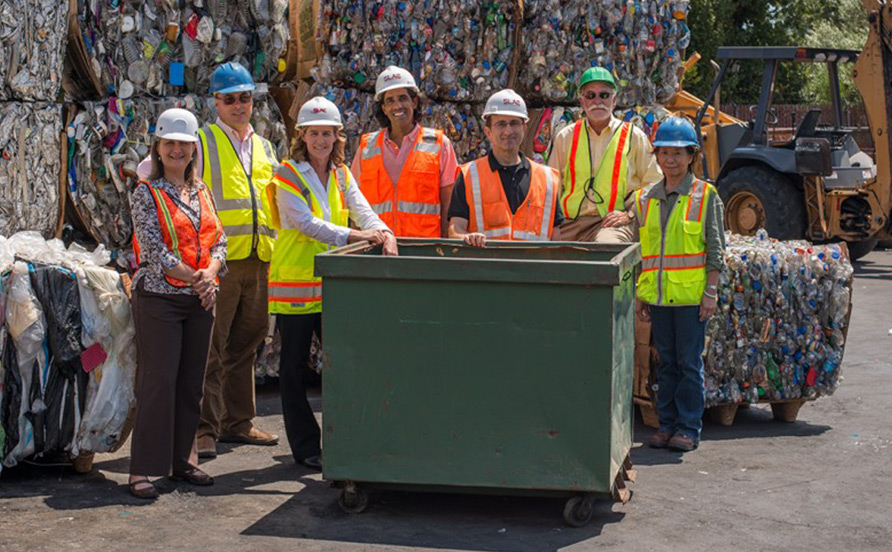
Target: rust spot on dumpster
x=553 y=433
x=387 y=407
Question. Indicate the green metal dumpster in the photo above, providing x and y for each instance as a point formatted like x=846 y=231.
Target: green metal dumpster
x=506 y=369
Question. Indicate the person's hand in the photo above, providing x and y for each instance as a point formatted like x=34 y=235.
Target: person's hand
x=475 y=239
x=642 y=309
x=390 y=245
x=372 y=236
x=707 y=307
x=616 y=218
x=208 y=298
x=203 y=279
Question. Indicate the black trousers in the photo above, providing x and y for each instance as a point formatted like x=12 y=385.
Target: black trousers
x=301 y=426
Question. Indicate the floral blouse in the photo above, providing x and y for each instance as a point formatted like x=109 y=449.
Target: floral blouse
x=153 y=252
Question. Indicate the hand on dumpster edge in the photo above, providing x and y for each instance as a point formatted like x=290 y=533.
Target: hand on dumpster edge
x=616 y=218
x=390 y=248
x=475 y=239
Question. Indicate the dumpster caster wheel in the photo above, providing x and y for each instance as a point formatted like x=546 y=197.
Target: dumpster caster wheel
x=353 y=500
x=578 y=511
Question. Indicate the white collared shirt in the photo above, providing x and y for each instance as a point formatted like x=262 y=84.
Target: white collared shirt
x=297 y=214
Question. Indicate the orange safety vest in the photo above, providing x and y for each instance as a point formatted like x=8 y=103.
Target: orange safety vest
x=193 y=248
x=489 y=210
x=412 y=207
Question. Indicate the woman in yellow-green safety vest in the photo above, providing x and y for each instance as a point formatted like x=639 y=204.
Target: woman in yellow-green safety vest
x=313 y=196
x=680 y=224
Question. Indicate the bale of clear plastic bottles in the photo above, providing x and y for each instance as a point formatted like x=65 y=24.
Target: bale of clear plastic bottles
x=108 y=139
x=165 y=47
x=641 y=41
x=457 y=50
x=460 y=121
x=780 y=329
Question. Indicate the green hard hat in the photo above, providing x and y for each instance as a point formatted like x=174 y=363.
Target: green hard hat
x=596 y=74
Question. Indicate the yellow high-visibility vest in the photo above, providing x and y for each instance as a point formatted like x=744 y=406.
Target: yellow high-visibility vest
x=673 y=264
x=293 y=288
x=241 y=199
x=610 y=178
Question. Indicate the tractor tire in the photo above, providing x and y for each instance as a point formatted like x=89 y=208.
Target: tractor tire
x=759 y=197
x=861 y=248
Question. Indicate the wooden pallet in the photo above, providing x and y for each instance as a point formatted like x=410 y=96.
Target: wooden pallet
x=724 y=414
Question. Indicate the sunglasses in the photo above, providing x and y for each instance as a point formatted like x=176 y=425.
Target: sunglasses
x=592 y=95
x=230 y=99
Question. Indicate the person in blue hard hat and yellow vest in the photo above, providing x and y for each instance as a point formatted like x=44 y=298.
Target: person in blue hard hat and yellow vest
x=237 y=166
x=313 y=195
x=682 y=243
x=602 y=160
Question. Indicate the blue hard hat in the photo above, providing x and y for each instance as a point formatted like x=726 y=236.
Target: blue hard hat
x=676 y=132
x=231 y=77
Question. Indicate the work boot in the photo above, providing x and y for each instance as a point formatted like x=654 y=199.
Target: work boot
x=253 y=436
x=682 y=442
x=207 y=447
x=659 y=440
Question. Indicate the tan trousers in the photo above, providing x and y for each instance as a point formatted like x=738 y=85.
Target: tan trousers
x=589 y=229
x=241 y=327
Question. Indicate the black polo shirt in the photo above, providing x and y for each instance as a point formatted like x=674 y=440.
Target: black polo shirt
x=516 y=183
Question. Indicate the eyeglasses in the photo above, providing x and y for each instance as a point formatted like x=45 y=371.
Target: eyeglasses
x=592 y=95
x=513 y=124
x=230 y=99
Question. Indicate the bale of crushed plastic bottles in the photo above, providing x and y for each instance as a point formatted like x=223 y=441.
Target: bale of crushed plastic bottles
x=642 y=42
x=457 y=50
x=780 y=329
x=107 y=140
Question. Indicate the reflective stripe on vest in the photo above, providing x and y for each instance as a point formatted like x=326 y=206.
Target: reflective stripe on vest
x=611 y=175
x=527 y=223
x=293 y=286
x=673 y=265
x=240 y=198
x=411 y=206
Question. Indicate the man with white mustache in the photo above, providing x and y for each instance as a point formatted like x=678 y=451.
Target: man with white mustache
x=405 y=170
x=602 y=161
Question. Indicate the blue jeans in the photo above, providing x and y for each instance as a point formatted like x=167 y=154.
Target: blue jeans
x=679 y=337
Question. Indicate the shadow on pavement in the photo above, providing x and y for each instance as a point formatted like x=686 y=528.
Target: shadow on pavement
x=866 y=268
x=432 y=520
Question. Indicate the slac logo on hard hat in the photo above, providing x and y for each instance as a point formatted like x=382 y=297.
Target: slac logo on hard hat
x=319 y=111
x=506 y=102
x=511 y=101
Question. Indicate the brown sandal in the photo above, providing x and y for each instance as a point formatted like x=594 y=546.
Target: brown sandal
x=194 y=476
x=148 y=493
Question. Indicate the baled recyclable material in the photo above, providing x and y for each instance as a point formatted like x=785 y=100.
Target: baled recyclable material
x=779 y=331
x=641 y=41
x=108 y=139
x=33 y=38
x=30 y=161
x=166 y=48
x=456 y=50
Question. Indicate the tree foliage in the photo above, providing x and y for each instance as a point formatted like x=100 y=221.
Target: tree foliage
x=714 y=23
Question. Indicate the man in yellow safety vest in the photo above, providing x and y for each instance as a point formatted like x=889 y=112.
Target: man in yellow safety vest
x=602 y=160
x=237 y=165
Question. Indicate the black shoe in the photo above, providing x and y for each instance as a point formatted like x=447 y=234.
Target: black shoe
x=313 y=462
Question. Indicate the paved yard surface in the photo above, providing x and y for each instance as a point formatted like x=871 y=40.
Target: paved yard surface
x=822 y=483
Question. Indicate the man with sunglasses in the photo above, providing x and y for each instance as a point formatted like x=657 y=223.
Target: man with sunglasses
x=405 y=170
x=237 y=165
x=504 y=195
x=602 y=160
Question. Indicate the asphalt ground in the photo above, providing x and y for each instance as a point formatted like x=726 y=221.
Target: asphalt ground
x=821 y=483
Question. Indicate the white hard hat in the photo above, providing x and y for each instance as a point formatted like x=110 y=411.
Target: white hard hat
x=393 y=77
x=506 y=102
x=319 y=111
x=177 y=124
